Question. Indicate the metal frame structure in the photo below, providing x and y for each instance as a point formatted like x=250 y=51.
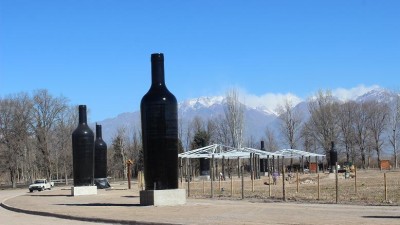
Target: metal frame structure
x=222 y=151
x=293 y=153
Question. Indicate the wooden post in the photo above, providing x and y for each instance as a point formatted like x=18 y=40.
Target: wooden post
x=385 y=185
x=319 y=189
x=238 y=168
x=212 y=176
x=231 y=186
x=279 y=172
x=297 y=178
x=283 y=179
x=269 y=186
x=253 y=170
x=268 y=169
x=204 y=187
x=273 y=164
x=242 y=168
x=138 y=179
x=316 y=162
x=251 y=166
x=188 y=187
x=337 y=182
x=129 y=163
x=355 y=179
x=223 y=166
x=219 y=183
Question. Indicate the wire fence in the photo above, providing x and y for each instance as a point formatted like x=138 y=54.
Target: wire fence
x=370 y=187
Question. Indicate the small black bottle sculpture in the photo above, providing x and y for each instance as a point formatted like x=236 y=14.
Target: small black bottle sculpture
x=333 y=157
x=263 y=166
x=100 y=160
x=82 y=151
x=159 y=116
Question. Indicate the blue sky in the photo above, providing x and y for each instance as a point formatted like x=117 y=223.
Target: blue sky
x=98 y=52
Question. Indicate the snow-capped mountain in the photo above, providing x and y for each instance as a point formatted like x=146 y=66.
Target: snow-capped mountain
x=378 y=94
x=256 y=118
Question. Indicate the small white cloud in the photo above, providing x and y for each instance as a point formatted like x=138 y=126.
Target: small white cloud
x=352 y=93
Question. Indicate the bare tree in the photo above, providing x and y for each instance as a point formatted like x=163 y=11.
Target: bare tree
x=14 y=132
x=46 y=111
x=394 y=124
x=378 y=117
x=271 y=143
x=309 y=141
x=119 y=157
x=222 y=134
x=361 y=132
x=234 y=116
x=291 y=122
x=62 y=142
x=347 y=128
x=323 y=120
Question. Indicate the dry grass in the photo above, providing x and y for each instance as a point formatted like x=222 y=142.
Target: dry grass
x=370 y=188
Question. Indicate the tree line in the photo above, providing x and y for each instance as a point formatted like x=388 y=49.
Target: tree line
x=36 y=128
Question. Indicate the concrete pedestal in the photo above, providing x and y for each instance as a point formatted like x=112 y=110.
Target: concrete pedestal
x=168 y=197
x=84 y=190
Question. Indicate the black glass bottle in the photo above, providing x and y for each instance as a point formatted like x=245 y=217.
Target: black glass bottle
x=333 y=157
x=100 y=155
x=82 y=151
x=159 y=117
x=263 y=166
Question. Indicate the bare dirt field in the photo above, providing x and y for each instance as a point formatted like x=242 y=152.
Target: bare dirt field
x=365 y=187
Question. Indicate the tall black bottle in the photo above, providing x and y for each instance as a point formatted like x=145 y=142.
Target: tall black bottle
x=100 y=155
x=82 y=151
x=159 y=116
x=263 y=166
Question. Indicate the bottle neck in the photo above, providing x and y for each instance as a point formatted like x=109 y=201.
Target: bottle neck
x=157 y=70
x=98 y=132
x=82 y=114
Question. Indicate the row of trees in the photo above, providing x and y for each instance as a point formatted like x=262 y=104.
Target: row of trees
x=361 y=129
x=35 y=133
x=35 y=136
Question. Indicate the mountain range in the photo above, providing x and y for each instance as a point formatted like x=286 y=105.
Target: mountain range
x=257 y=118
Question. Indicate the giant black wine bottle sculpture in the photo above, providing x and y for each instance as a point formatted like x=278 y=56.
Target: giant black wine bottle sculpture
x=100 y=160
x=100 y=155
x=82 y=151
x=159 y=115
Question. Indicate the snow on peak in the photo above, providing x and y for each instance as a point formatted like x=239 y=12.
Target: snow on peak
x=200 y=102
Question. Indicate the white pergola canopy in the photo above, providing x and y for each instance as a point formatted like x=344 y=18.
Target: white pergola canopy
x=293 y=153
x=221 y=151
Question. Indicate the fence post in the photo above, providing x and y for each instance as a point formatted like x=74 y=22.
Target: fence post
x=283 y=179
x=204 y=187
x=188 y=186
x=269 y=185
x=232 y=186
x=319 y=189
x=297 y=178
x=385 y=184
x=355 y=179
x=212 y=176
x=337 y=183
x=241 y=168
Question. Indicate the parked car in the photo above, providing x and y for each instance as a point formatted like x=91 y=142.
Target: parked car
x=41 y=185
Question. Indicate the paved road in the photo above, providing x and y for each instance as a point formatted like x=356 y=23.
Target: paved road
x=122 y=205
x=14 y=218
